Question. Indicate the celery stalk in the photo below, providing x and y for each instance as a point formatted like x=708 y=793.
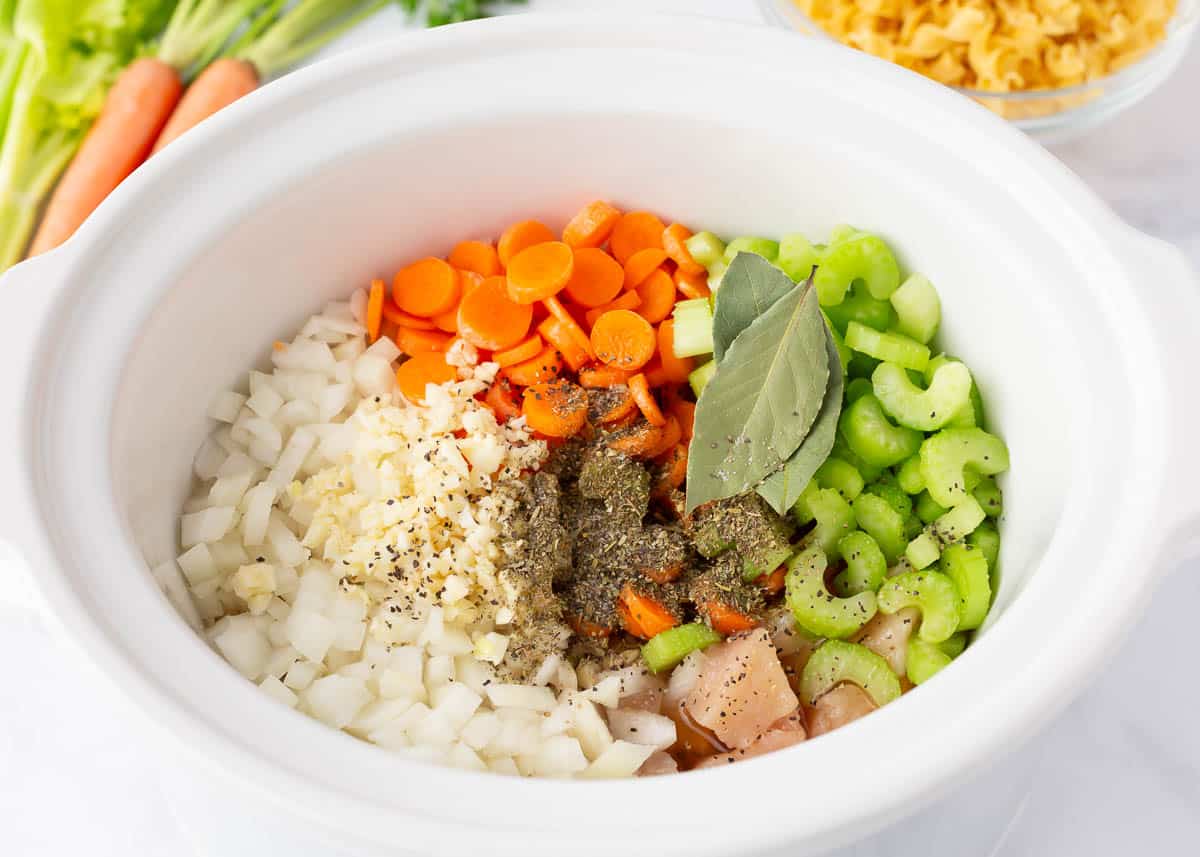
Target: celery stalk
x=693 y=328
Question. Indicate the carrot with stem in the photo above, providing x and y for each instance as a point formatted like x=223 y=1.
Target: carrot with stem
x=276 y=40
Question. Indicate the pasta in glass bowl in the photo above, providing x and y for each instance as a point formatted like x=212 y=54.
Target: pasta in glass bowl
x=1054 y=68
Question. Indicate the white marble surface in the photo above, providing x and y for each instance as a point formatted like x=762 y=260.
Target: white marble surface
x=1117 y=773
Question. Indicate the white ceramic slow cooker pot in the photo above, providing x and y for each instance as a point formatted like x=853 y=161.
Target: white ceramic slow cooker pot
x=1079 y=330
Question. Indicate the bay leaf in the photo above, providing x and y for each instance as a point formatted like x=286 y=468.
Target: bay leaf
x=782 y=488
x=750 y=286
x=762 y=401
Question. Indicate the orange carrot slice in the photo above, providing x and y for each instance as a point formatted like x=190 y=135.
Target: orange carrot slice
x=426 y=287
x=674 y=368
x=726 y=619
x=400 y=318
x=657 y=292
x=637 y=441
x=545 y=367
x=645 y=400
x=599 y=377
x=596 y=278
x=489 y=318
x=685 y=412
x=641 y=264
x=555 y=409
x=582 y=341
x=692 y=285
x=673 y=470
x=623 y=339
x=774 y=582
x=410 y=340
x=479 y=257
x=673 y=240
x=627 y=300
x=375 y=300
x=540 y=271
x=503 y=399
x=642 y=615
x=669 y=436
x=522 y=351
x=519 y=236
x=635 y=231
x=592 y=225
x=556 y=333
x=618 y=409
x=422 y=369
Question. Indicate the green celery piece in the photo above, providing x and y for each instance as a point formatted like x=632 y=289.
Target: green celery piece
x=693 y=328
x=883 y=522
x=706 y=248
x=923 y=551
x=814 y=607
x=858 y=388
x=841 y=476
x=861 y=307
x=918 y=308
x=928 y=509
x=987 y=538
x=834 y=516
x=667 y=649
x=987 y=492
x=764 y=247
x=926 y=410
x=859 y=256
x=797 y=257
x=908 y=476
x=890 y=347
x=968 y=568
x=924 y=660
x=701 y=375
x=866 y=567
x=946 y=458
x=934 y=593
x=873 y=438
x=836 y=662
x=959 y=522
x=301 y=30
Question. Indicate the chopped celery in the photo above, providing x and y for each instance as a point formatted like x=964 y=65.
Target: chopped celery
x=833 y=514
x=754 y=567
x=802 y=509
x=876 y=516
x=917 y=307
x=796 y=257
x=701 y=375
x=856 y=257
x=814 y=607
x=887 y=488
x=705 y=248
x=873 y=438
x=927 y=410
x=928 y=509
x=968 y=569
x=946 y=456
x=891 y=347
x=908 y=476
x=667 y=649
x=924 y=660
x=861 y=308
x=764 y=247
x=912 y=526
x=987 y=492
x=861 y=365
x=841 y=476
x=865 y=564
x=693 y=328
x=842 y=232
x=960 y=521
x=955 y=645
x=987 y=538
x=843 y=451
x=922 y=551
x=716 y=273
x=837 y=662
x=858 y=388
x=930 y=591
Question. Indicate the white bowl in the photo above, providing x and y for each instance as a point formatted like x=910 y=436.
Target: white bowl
x=1079 y=330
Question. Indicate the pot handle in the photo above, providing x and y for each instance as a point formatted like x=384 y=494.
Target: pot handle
x=1172 y=292
x=30 y=292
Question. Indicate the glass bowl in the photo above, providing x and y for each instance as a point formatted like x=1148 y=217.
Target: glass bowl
x=1056 y=115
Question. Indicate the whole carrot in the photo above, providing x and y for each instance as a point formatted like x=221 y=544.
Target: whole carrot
x=135 y=111
x=221 y=84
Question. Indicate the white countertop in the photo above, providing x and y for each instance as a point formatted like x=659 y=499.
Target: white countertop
x=1118 y=773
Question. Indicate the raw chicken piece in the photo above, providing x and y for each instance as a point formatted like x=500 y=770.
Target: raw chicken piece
x=842 y=705
x=887 y=636
x=785 y=733
x=742 y=689
x=660 y=763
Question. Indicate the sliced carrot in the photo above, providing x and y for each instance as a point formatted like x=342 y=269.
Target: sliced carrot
x=410 y=340
x=569 y=323
x=447 y=321
x=422 y=369
x=400 y=318
x=623 y=339
x=489 y=318
x=641 y=265
x=671 y=435
x=773 y=583
x=596 y=278
x=556 y=333
x=642 y=615
x=540 y=271
x=726 y=619
x=617 y=408
x=637 y=440
x=592 y=225
x=555 y=409
x=656 y=375
x=692 y=285
x=685 y=412
x=426 y=287
x=673 y=470
x=519 y=236
x=479 y=257
x=524 y=350
x=503 y=399
x=375 y=300
x=470 y=281
x=645 y=400
x=599 y=377
x=584 y=628
x=673 y=240
x=545 y=367
x=675 y=368
x=657 y=292
x=627 y=300
x=635 y=231
x=387 y=330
